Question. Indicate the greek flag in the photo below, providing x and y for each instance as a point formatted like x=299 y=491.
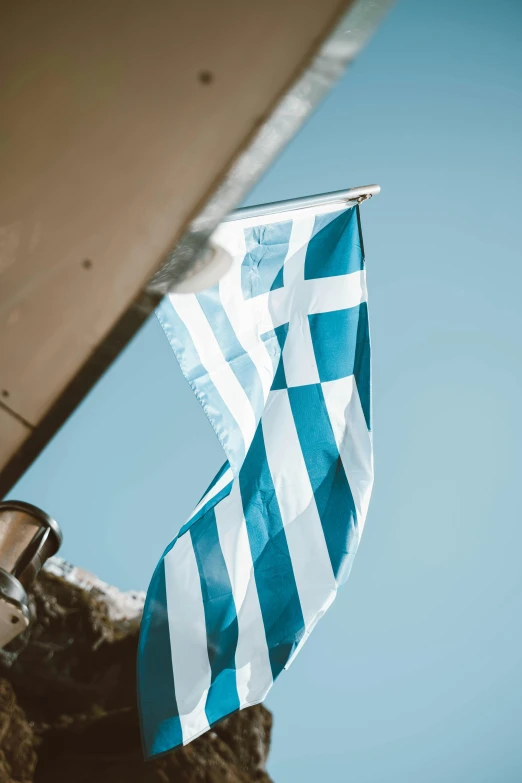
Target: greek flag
x=278 y=354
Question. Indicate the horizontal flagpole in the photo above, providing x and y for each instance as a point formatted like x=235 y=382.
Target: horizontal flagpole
x=353 y=195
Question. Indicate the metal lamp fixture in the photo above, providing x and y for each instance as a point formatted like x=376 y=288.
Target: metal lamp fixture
x=28 y=536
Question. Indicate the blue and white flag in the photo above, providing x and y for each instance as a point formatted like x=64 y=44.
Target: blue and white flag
x=278 y=354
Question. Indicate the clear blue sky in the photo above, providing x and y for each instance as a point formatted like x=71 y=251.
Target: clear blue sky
x=415 y=674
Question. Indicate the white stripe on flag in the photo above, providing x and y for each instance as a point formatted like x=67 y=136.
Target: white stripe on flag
x=242 y=313
x=318 y=295
x=253 y=671
x=302 y=230
x=353 y=439
x=188 y=637
x=220 y=484
x=313 y=572
x=339 y=293
x=298 y=353
x=274 y=308
x=212 y=359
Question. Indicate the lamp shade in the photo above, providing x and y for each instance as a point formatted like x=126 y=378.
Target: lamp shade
x=28 y=536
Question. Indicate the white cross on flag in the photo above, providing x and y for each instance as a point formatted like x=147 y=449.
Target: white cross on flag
x=278 y=355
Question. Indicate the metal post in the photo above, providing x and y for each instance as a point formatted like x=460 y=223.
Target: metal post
x=351 y=196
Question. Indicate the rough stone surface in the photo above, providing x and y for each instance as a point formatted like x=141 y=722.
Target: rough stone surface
x=67 y=698
x=17 y=739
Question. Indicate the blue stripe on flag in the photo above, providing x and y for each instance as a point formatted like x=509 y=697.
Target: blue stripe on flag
x=159 y=718
x=341 y=341
x=211 y=503
x=220 y=618
x=222 y=420
x=239 y=360
x=331 y=489
x=221 y=472
x=263 y=264
x=335 y=247
x=275 y=342
x=362 y=362
x=273 y=571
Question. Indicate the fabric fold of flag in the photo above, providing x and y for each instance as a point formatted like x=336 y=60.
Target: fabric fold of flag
x=278 y=354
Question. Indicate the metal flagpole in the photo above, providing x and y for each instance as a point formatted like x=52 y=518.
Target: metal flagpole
x=352 y=195
x=217 y=261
